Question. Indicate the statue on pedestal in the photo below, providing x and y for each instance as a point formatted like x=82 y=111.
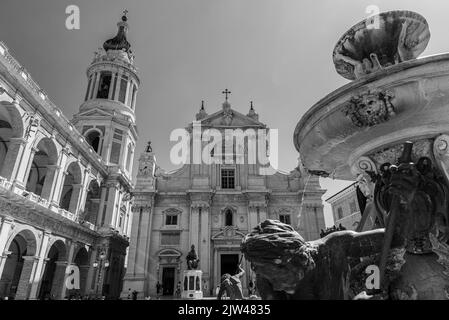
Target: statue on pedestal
x=149 y=148
x=192 y=259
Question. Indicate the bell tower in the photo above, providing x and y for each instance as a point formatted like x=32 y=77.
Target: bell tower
x=106 y=118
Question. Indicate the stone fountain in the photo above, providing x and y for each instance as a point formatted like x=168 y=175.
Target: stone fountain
x=389 y=130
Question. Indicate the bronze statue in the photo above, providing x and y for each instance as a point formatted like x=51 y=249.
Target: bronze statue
x=411 y=201
x=232 y=285
x=149 y=148
x=287 y=267
x=192 y=259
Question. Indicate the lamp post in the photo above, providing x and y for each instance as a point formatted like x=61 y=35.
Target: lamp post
x=103 y=263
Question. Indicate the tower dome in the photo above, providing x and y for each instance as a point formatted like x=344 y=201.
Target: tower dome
x=119 y=42
x=112 y=77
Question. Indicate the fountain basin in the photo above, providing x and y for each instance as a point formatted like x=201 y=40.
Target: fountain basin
x=406 y=101
x=380 y=41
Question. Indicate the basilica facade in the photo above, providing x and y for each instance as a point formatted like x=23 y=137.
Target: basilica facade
x=211 y=206
x=65 y=185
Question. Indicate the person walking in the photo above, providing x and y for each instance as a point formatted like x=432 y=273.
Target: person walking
x=158 y=289
x=178 y=290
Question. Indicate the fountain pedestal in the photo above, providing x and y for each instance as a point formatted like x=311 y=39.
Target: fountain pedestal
x=191 y=287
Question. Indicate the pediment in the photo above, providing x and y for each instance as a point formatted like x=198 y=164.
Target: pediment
x=96 y=112
x=230 y=118
x=228 y=233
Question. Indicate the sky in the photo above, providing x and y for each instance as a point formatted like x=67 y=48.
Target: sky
x=277 y=53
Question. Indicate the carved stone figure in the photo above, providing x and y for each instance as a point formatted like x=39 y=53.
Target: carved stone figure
x=192 y=259
x=370 y=108
x=411 y=201
x=287 y=267
x=400 y=36
x=232 y=285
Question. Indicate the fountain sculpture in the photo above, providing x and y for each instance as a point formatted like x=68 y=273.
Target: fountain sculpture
x=389 y=130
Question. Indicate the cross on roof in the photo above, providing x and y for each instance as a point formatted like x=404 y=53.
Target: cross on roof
x=226 y=92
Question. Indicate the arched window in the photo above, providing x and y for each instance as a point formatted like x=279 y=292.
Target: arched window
x=104 y=85
x=228 y=218
x=71 y=189
x=92 y=202
x=45 y=157
x=93 y=138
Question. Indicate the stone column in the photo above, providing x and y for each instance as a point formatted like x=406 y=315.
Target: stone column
x=6 y=227
x=134 y=99
x=128 y=87
x=70 y=258
x=111 y=86
x=60 y=177
x=25 y=168
x=23 y=287
x=204 y=248
x=13 y=157
x=40 y=266
x=111 y=210
x=91 y=89
x=252 y=217
x=132 y=253
x=145 y=232
x=84 y=272
x=117 y=87
x=91 y=272
x=58 y=280
x=117 y=211
x=97 y=82
x=50 y=181
x=216 y=278
x=84 y=191
x=194 y=226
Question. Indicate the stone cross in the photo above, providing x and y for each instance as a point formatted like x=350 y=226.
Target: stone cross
x=226 y=92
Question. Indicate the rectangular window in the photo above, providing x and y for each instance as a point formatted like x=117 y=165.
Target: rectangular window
x=170 y=238
x=116 y=146
x=115 y=152
x=122 y=92
x=352 y=206
x=171 y=220
x=285 y=218
x=227 y=178
x=340 y=213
